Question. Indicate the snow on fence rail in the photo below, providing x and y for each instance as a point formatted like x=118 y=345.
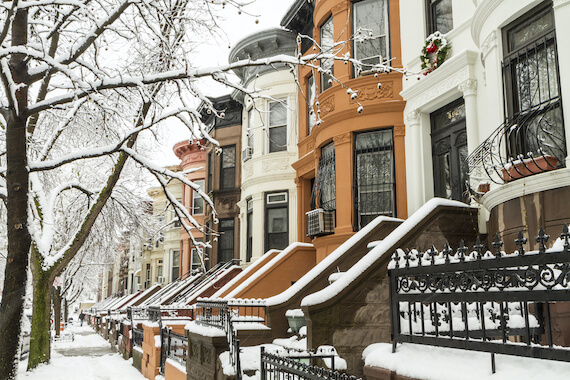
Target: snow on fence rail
x=223 y=314
x=274 y=366
x=482 y=301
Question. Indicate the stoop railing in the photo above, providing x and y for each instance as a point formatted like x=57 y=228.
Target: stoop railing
x=223 y=314
x=481 y=300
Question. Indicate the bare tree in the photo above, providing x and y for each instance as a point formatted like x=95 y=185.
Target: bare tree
x=81 y=82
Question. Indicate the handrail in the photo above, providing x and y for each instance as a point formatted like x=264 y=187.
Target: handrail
x=203 y=279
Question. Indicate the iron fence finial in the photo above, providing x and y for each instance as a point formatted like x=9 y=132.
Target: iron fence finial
x=541 y=239
x=520 y=241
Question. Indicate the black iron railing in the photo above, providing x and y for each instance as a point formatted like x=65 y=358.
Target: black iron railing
x=528 y=143
x=481 y=300
x=174 y=346
x=138 y=336
x=224 y=314
x=275 y=366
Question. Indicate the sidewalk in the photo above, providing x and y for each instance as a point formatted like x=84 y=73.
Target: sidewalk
x=87 y=357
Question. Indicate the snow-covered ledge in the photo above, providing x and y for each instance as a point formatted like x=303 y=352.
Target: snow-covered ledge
x=439 y=363
x=524 y=186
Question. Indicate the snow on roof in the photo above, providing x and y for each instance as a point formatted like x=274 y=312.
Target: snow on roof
x=371 y=257
x=326 y=263
x=243 y=274
x=440 y=363
x=272 y=263
x=139 y=296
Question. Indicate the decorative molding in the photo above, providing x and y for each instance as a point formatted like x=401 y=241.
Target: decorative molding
x=297 y=181
x=248 y=171
x=489 y=44
x=371 y=92
x=275 y=165
x=559 y=3
x=327 y=106
x=342 y=139
x=399 y=130
x=446 y=78
x=482 y=13
x=342 y=6
x=412 y=117
x=469 y=87
x=311 y=145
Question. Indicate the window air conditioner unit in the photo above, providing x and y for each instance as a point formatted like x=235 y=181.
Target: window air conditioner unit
x=320 y=222
x=247 y=153
x=160 y=279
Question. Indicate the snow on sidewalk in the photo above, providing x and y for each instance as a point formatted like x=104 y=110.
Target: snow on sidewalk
x=85 y=358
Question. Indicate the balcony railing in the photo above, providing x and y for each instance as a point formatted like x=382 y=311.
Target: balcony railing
x=481 y=300
x=528 y=143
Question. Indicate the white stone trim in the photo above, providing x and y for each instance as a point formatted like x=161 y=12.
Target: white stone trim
x=533 y=184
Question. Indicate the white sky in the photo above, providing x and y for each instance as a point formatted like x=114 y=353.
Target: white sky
x=215 y=52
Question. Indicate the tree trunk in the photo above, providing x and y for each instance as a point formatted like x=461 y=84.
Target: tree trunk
x=40 y=338
x=57 y=309
x=13 y=297
x=65 y=311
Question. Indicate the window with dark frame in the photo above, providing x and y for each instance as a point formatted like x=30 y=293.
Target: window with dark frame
x=226 y=240
x=323 y=194
x=196 y=262
x=276 y=220
x=250 y=126
x=277 y=131
x=371 y=29
x=228 y=168
x=374 y=179
x=532 y=86
x=327 y=47
x=249 y=227
x=210 y=171
x=439 y=16
x=311 y=98
x=197 y=200
x=175 y=265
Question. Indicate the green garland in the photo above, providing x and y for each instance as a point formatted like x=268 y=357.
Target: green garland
x=436 y=45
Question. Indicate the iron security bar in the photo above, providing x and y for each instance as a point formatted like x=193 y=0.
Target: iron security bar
x=481 y=300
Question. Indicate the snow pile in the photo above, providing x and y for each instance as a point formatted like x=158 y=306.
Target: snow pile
x=439 y=363
x=249 y=357
x=375 y=254
x=339 y=363
x=295 y=313
x=292 y=343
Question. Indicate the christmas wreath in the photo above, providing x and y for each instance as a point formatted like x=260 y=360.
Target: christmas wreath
x=434 y=52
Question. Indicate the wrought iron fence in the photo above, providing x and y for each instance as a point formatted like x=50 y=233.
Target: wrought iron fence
x=481 y=300
x=275 y=366
x=138 y=336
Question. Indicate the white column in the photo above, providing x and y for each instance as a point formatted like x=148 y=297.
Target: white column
x=258 y=226
x=469 y=90
x=414 y=184
x=561 y=17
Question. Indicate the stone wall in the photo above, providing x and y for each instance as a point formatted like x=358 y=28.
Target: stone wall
x=203 y=353
x=360 y=314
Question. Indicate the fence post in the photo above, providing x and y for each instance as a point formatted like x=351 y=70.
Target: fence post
x=262 y=364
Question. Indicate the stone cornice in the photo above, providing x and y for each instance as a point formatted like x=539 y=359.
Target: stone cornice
x=451 y=74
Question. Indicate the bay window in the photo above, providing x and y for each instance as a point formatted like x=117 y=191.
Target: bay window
x=228 y=168
x=327 y=47
x=371 y=29
x=197 y=200
x=276 y=221
x=277 y=133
